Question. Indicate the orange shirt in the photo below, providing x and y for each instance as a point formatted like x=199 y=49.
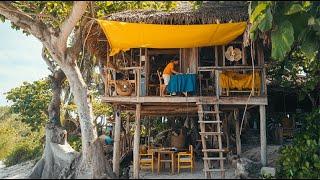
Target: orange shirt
x=169 y=68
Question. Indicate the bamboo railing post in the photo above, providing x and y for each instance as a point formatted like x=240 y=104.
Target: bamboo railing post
x=136 y=144
x=116 y=145
x=263 y=135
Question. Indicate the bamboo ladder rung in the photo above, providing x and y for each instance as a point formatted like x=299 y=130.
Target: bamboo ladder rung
x=214 y=150
x=213 y=170
x=211 y=133
x=214 y=158
x=209 y=112
x=210 y=121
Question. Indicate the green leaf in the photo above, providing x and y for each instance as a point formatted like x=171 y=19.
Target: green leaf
x=266 y=22
x=282 y=39
x=309 y=46
x=294 y=8
x=257 y=10
x=2 y=18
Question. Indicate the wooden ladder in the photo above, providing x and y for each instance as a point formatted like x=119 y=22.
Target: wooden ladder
x=217 y=131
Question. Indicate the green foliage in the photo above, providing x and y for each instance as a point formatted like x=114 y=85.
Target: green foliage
x=287 y=73
x=31 y=101
x=291 y=23
x=75 y=142
x=282 y=39
x=17 y=142
x=301 y=160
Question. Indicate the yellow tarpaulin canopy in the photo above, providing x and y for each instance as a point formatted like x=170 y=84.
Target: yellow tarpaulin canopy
x=123 y=35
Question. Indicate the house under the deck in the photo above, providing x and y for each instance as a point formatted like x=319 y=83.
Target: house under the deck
x=132 y=84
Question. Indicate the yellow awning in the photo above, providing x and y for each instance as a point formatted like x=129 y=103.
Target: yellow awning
x=123 y=35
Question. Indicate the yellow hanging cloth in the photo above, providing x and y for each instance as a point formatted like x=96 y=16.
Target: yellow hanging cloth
x=122 y=35
x=233 y=80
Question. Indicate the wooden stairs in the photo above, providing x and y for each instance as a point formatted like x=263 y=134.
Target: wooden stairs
x=209 y=117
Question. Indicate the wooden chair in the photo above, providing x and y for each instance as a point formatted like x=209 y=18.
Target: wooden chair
x=162 y=86
x=185 y=159
x=146 y=160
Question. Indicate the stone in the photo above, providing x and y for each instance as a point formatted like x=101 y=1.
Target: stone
x=268 y=171
x=247 y=168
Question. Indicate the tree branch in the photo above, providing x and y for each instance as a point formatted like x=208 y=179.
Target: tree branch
x=67 y=26
x=24 y=21
x=50 y=64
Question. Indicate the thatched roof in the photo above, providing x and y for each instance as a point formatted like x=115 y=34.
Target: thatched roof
x=210 y=12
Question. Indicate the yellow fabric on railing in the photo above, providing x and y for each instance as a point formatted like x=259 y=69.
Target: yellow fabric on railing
x=233 y=80
x=123 y=35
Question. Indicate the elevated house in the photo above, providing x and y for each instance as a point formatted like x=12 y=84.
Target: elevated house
x=226 y=70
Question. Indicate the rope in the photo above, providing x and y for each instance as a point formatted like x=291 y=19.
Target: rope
x=245 y=109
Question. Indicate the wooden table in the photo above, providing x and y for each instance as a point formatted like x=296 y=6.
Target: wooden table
x=164 y=151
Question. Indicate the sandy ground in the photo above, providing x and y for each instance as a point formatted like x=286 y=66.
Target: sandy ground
x=21 y=171
x=184 y=173
x=18 y=171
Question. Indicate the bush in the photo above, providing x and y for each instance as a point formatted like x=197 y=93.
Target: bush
x=17 y=142
x=302 y=158
x=23 y=152
x=75 y=142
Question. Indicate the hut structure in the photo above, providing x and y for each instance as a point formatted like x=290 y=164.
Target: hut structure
x=212 y=46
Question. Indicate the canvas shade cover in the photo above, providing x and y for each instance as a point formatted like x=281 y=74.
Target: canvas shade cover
x=122 y=35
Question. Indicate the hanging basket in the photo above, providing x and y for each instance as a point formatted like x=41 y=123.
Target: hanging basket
x=123 y=87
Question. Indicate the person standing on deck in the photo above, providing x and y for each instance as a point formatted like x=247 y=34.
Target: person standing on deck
x=168 y=70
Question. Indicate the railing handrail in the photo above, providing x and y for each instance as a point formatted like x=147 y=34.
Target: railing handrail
x=124 y=68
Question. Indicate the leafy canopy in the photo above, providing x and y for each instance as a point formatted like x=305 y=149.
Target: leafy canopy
x=31 y=102
x=290 y=23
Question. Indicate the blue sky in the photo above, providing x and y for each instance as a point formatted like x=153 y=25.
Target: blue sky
x=20 y=59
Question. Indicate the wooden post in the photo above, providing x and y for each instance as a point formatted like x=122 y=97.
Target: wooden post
x=216 y=62
x=263 y=135
x=238 y=138
x=216 y=73
x=116 y=145
x=223 y=56
x=128 y=132
x=136 y=144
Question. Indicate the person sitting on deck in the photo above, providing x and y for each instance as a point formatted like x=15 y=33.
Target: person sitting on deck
x=168 y=70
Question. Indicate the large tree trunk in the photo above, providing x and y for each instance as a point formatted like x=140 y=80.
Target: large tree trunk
x=54 y=107
x=58 y=154
x=84 y=107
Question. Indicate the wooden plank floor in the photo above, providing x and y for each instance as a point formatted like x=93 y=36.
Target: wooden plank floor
x=239 y=100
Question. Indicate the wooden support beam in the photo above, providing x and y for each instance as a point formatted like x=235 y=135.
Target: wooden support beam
x=263 y=135
x=128 y=132
x=216 y=73
x=238 y=138
x=136 y=144
x=116 y=144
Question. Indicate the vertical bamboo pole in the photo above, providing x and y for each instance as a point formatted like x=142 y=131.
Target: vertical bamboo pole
x=116 y=145
x=263 y=135
x=223 y=56
x=136 y=144
x=216 y=72
x=128 y=132
x=238 y=138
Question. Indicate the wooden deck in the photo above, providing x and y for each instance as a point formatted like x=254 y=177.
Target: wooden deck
x=261 y=100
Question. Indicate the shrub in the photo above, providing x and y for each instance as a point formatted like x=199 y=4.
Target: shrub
x=17 y=142
x=302 y=158
x=75 y=142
